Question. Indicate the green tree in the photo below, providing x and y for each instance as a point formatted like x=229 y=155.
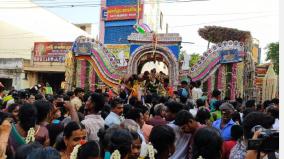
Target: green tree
x=272 y=52
x=194 y=58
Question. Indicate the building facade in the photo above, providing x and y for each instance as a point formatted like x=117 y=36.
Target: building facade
x=119 y=17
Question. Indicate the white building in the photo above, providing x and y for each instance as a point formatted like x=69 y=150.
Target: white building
x=21 y=24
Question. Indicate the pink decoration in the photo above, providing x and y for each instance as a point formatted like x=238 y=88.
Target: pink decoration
x=207 y=70
x=233 y=81
x=93 y=80
x=103 y=66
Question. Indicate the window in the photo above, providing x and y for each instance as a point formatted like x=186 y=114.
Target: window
x=26 y=76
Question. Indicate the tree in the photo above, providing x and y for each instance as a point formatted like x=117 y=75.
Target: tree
x=272 y=52
x=194 y=58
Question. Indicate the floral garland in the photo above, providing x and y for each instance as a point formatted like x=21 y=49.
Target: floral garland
x=220 y=76
x=233 y=81
x=151 y=151
x=31 y=136
x=115 y=155
x=74 y=153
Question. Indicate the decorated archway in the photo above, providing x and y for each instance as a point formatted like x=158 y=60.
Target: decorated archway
x=159 y=53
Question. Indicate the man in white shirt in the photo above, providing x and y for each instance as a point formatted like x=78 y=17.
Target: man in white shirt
x=94 y=121
x=182 y=137
x=196 y=91
x=76 y=101
x=115 y=116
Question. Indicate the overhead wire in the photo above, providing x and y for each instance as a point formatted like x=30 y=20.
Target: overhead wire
x=85 y=4
x=220 y=21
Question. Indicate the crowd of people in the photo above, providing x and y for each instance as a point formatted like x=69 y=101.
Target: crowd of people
x=145 y=120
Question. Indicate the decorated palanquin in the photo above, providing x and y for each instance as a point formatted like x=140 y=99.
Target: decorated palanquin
x=266 y=82
x=221 y=67
x=92 y=61
x=227 y=65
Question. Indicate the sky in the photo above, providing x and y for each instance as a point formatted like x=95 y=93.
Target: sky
x=260 y=17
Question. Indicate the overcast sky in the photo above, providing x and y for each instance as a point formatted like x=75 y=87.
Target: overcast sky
x=260 y=17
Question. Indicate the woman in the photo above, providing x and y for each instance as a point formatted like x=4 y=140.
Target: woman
x=73 y=134
x=14 y=110
x=44 y=109
x=163 y=139
x=90 y=150
x=44 y=153
x=121 y=140
x=21 y=132
x=207 y=143
x=136 y=145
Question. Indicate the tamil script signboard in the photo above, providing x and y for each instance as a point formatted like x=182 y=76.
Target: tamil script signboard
x=51 y=51
x=122 y=12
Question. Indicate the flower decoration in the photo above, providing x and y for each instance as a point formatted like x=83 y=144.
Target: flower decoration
x=151 y=151
x=115 y=155
x=121 y=118
x=31 y=136
x=74 y=153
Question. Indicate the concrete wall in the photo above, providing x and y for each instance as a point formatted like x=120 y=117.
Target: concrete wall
x=11 y=68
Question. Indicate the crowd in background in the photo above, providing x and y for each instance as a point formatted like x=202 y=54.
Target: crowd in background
x=145 y=119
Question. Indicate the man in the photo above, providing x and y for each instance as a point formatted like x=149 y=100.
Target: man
x=216 y=96
x=115 y=116
x=275 y=101
x=77 y=100
x=196 y=91
x=159 y=114
x=225 y=124
x=183 y=91
x=184 y=127
x=253 y=119
x=172 y=108
x=93 y=120
x=251 y=104
x=199 y=103
x=31 y=99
